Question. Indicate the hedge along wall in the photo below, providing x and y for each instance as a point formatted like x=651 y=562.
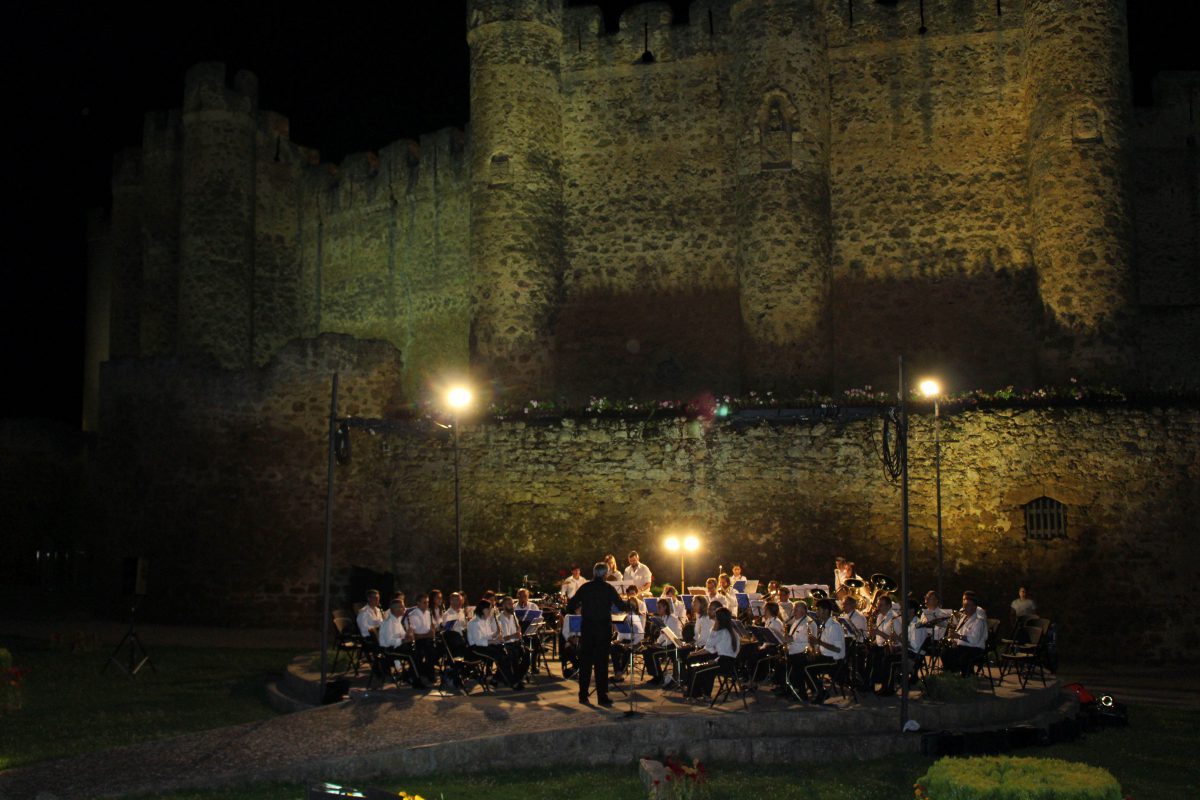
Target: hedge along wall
x=218 y=477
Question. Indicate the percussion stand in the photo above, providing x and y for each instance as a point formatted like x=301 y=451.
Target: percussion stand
x=138 y=656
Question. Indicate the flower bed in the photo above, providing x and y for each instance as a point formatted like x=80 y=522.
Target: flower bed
x=1004 y=778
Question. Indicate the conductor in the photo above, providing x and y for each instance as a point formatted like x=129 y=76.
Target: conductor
x=594 y=602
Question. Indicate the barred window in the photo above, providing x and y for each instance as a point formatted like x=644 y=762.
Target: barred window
x=1045 y=518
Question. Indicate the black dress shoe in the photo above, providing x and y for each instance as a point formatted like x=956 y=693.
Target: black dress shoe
x=606 y=702
x=583 y=701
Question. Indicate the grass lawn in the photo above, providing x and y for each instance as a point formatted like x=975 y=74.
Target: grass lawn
x=1151 y=759
x=70 y=707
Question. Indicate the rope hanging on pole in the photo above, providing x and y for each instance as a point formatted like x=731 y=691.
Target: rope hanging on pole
x=893 y=443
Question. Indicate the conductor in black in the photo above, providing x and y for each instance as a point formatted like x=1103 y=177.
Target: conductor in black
x=594 y=602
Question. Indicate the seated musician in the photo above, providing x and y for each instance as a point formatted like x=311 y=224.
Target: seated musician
x=762 y=651
x=927 y=630
x=456 y=613
x=678 y=609
x=393 y=638
x=798 y=633
x=483 y=637
x=624 y=643
x=437 y=609
x=830 y=652
x=418 y=623
x=724 y=643
x=572 y=583
x=663 y=648
x=523 y=602
x=512 y=638
x=857 y=652
x=784 y=599
x=967 y=639
x=727 y=594
x=633 y=595
x=885 y=647
x=614 y=572
x=369 y=616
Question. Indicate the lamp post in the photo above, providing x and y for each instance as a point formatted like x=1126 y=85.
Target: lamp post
x=688 y=544
x=931 y=388
x=458 y=398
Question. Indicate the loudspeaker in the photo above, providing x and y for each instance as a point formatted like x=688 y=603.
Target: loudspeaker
x=134 y=576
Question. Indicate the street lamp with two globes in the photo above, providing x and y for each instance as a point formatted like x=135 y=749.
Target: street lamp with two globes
x=682 y=545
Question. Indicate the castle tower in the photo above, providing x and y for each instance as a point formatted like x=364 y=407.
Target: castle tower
x=1077 y=94
x=516 y=189
x=216 y=215
x=782 y=113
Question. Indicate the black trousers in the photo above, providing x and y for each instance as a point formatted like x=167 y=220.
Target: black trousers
x=593 y=657
x=501 y=658
x=961 y=659
x=881 y=660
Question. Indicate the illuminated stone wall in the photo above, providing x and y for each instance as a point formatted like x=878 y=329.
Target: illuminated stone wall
x=219 y=478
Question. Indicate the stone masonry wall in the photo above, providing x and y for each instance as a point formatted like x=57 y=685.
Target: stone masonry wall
x=222 y=486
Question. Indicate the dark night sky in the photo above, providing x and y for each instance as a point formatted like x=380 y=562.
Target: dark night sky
x=349 y=76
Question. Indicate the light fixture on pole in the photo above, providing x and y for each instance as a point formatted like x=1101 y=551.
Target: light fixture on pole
x=459 y=398
x=688 y=544
x=932 y=389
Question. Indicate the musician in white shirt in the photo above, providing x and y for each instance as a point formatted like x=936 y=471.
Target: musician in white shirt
x=727 y=594
x=831 y=650
x=511 y=636
x=633 y=595
x=664 y=647
x=638 y=572
x=483 y=637
x=523 y=602
x=625 y=642
x=885 y=648
x=456 y=614
x=572 y=583
x=678 y=609
x=735 y=575
x=724 y=643
x=369 y=616
x=968 y=638
x=393 y=638
x=928 y=626
x=799 y=630
x=785 y=603
x=418 y=622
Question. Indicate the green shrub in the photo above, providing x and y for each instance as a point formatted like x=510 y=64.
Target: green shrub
x=950 y=688
x=1004 y=778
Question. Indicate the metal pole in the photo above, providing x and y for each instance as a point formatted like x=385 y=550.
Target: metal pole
x=333 y=401
x=902 y=442
x=682 y=579
x=937 y=469
x=457 y=508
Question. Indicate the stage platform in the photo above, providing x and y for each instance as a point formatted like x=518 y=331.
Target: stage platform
x=402 y=731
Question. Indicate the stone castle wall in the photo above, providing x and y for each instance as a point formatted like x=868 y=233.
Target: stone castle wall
x=219 y=477
x=685 y=206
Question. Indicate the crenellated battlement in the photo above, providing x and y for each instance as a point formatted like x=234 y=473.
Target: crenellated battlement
x=647 y=34
x=205 y=89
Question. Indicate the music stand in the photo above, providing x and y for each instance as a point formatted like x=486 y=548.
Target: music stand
x=139 y=656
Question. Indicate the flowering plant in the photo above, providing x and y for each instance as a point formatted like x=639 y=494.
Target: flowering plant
x=683 y=782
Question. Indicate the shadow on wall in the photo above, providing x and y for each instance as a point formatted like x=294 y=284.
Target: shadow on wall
x=648 y=345
x=977 y=331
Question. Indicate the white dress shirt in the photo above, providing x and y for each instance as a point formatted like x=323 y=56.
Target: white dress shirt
x=640 y=575
x=799 y=631
x=671 y=623
x=458 y=617
x=480 y=632
x=785 y=610
x=728 y=598
x=418 y=621
x=832 y=636
x=922 y=627
x=775 y=626
x=703 y=628
x=369 y=617
x=721 y=643
x=972 y=631
x=392 y=632
x=885 y=624
x=572 y=584
x=510 y=628
x=857 y=624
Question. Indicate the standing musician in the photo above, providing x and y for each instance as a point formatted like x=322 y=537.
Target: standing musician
x=418 y=625
x=830 y=651
x=638 y=572
x=571 y=584
x=784 y=596
x=393 y=638
x=967 y=639
x=856 y=625
x=736 y=574
x=799 y=634
x=724 y=643
x=626 y=642
x=512 y=639
x=483 y=637
x=663 y=648
x=843 y=571
x=885 y=646
x=369 y=616
x=614 y=572
x=594 y=602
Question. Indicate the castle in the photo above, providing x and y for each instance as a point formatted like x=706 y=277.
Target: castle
x=774 y=195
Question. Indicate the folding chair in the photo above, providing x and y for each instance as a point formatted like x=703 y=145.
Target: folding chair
x=728 y=681
x=386 y=664
x=463 y=664
x=1024 y=658
x=349 y=641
